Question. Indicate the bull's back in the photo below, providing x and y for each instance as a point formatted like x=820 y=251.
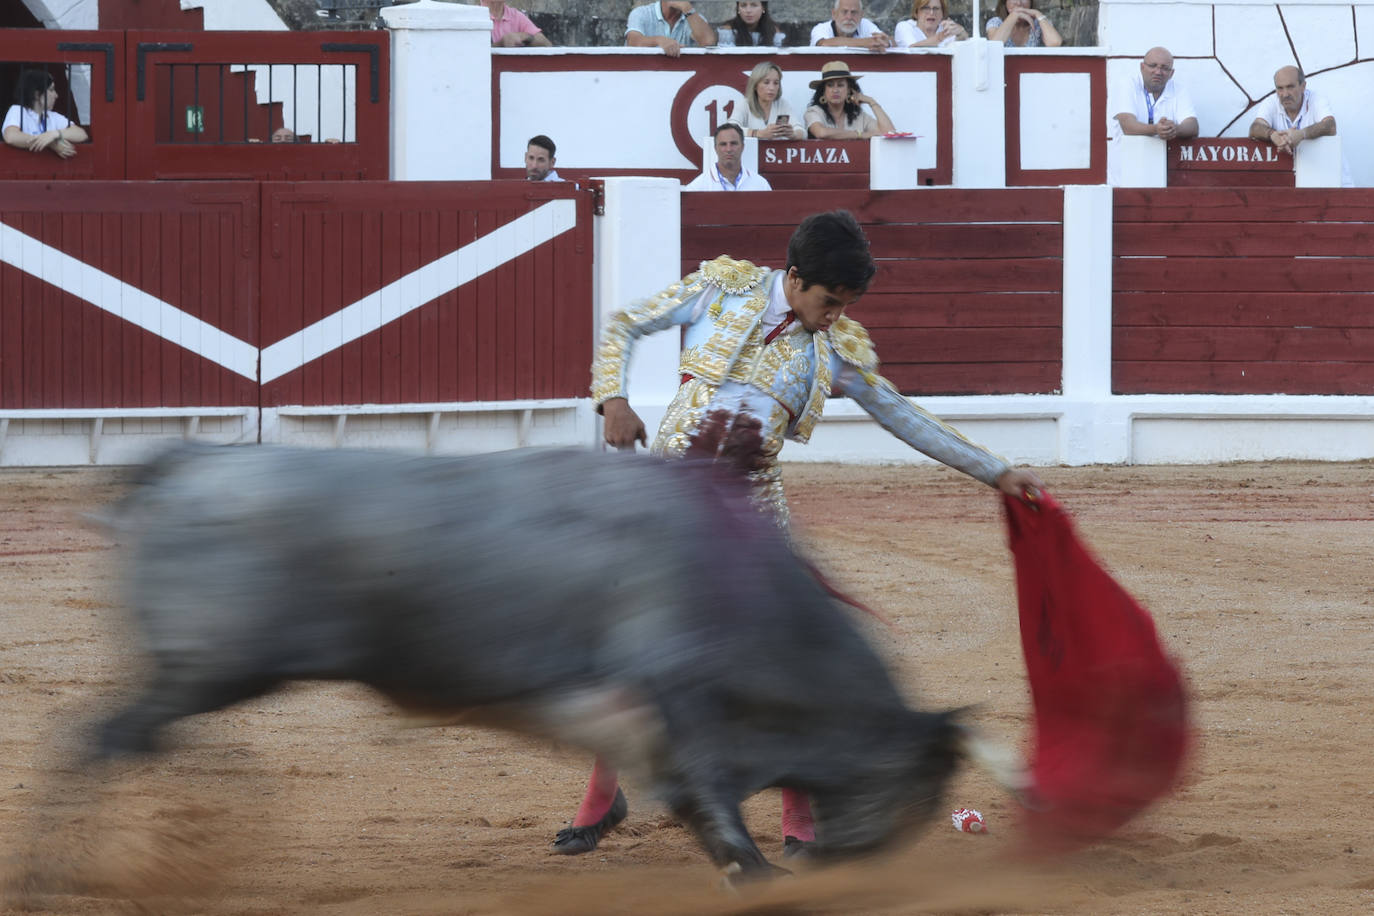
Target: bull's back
x=481 y=577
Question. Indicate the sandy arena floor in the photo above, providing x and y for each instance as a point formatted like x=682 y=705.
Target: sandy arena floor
x=319 y=800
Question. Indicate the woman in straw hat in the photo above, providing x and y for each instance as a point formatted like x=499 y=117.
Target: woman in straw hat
x=835 y=112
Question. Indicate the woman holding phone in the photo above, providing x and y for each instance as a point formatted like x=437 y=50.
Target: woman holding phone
x=835 y=112
x=766 y=113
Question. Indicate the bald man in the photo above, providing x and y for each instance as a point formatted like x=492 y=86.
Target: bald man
x=1153 y=104
x=1295 y=113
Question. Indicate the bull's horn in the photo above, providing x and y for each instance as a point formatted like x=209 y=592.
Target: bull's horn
x=1001 y=762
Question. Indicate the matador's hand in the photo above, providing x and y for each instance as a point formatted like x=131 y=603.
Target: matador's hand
x=1022 y=483
x=623 y=426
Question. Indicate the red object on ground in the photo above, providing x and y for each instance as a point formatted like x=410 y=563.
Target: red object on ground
x=1111 y=718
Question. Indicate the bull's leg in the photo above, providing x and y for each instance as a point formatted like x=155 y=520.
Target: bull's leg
x=174 y=694
x=716 y=822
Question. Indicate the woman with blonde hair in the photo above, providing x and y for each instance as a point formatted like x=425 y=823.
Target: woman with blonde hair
x=928 y=27
x=766 y=114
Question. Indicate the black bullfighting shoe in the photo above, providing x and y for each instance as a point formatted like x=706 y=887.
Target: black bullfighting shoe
x=793 y=848
x=573 y=841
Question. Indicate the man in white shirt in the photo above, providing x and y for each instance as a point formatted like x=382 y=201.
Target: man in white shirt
x=728 y=173
x=1153 y=104
x=1294 y=114
x=848 y=28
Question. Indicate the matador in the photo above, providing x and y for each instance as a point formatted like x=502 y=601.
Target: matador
x=762 y=351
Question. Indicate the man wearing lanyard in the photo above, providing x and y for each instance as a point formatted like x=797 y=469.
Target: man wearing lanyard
x=1153 y=104
x=1294 y=114
x=728 y=173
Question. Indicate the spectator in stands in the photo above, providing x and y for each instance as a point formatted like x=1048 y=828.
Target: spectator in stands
x=511 y=28
x=835 y=112
x=669 y=24
x=31 y=123
x=928 y=27
x=1153 y=103
x=751 y=27
x=539 y=159
x=1294 y=114
x=848 y=28
x=284 y=135
x=728 y=173
x=766 y=114
x=1018 y=24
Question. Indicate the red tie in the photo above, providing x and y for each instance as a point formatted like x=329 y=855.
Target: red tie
x=787 y=319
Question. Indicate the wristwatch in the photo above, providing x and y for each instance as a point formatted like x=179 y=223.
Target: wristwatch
x=689 y=12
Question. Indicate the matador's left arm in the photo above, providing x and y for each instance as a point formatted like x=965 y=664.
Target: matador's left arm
x=857 y=377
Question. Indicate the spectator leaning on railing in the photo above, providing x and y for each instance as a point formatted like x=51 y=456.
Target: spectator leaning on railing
x=31 y=124
x=848 y=28
x=835 y=112
x=751 y=27
x=671 y=25
x=511 y=28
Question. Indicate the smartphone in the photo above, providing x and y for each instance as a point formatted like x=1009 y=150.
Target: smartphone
x=783 y=119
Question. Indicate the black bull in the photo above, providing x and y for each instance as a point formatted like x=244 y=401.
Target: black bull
x=638 y=609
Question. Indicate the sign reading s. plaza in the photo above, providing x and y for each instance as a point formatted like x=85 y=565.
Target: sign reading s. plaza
x=1227 y=154
x=804 y=153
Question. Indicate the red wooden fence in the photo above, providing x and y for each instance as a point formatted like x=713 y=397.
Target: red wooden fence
x=87 y=330
x=969 y=293
x=1243 y=291
x=521 y=330
x=175 y=294
x=148 y=88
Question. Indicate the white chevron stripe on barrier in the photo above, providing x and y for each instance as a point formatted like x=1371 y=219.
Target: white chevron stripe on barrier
x=130 y=303
x=370 y=313
x=425 y=284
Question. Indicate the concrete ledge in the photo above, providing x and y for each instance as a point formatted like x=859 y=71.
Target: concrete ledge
x=114 y=435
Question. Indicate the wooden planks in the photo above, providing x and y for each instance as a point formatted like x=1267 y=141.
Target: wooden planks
x=968 y=296
x=1243 y=291
x=521 y=330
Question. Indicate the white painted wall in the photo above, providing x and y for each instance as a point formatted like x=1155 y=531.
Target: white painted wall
x=1226 y=54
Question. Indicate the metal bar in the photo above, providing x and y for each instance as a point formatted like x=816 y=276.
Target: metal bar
x=104 y=47
x=221 y=102
x=319 y=105
x=195 y=101
x=374 y=55
x=144 y=47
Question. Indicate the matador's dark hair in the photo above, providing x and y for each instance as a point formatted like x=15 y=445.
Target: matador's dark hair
x=832 y=250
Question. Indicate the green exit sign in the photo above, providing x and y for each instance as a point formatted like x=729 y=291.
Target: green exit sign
x=195 y=119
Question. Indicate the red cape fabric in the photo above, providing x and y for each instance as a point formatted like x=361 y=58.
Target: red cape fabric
x=1111 y=716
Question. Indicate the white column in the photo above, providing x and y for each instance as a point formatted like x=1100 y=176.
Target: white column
x=892 y=163
x=1318 y=163
x=980 y=116
x=638 y=244
x=1087 y=433
x=440 y=64
x=1135 y=161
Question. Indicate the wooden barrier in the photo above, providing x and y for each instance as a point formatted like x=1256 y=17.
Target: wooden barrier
x=969 y=293
x=1243 y=291
x=121 y=296
x=177 y=104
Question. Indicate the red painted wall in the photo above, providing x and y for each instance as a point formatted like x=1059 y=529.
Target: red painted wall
x=263 y=261
x=149 y=14
x=1243 y=291
x=969 y=293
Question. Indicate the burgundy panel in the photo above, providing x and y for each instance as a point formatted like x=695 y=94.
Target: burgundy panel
x=194 y=246
x=522 y=330
x=968 y=295
x=1241 y=291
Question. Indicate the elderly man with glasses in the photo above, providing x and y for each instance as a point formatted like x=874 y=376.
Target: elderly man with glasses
x=1153 y=104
